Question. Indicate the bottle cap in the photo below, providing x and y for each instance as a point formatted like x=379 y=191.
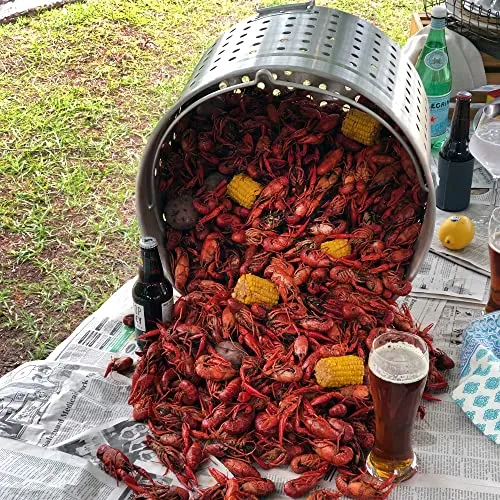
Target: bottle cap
x=148 y=243
x=463 y=95
x=439 y=11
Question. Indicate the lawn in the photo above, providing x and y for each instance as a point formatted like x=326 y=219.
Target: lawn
x=81 y=88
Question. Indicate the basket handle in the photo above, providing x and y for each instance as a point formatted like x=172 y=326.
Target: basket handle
x=266 y=11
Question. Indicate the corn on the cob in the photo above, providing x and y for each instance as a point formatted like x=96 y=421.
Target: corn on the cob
x=361 y=127
x=251 y=289
x=336 y=248
x=339 y=371
x=243 y=190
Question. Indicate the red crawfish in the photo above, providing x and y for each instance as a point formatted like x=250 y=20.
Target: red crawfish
x=323 y=495
x=298 y=487
x=117 y=464
x=364 y=487
x=181 y=269
x=214 y=367
x=240 y=420
x=266 y=423
x=174 y=461
x=305 y=462
x=120 y=365
x=257 y=486
x=194 y=456
x=239 y=468
x=332 y=453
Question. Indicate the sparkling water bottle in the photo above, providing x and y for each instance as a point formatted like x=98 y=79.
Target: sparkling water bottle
x=433 y=66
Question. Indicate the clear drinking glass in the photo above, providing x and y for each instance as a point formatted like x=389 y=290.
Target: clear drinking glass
x=398 y=367
x=485 y=142
x=494 y=249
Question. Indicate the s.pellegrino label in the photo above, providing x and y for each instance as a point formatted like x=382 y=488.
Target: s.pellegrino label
x=439 y=107
x=436 y=59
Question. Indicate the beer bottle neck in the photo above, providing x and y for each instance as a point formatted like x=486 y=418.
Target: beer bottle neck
x=150 y=268
x=460 y=122
x=458 y=140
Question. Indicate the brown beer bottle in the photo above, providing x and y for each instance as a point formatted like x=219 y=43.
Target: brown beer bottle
x=455 y=161
x=152 y=292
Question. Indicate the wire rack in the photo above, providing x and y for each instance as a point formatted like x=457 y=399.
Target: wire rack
x=471 y=19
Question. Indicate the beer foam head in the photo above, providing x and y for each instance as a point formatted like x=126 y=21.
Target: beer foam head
x=399 y=362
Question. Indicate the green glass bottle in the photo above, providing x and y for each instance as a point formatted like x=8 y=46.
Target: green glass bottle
x=433 y=66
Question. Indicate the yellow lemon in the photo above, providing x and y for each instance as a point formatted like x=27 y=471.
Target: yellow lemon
x=456 y=232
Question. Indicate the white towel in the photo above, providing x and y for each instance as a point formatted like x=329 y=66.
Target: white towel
x=465 y=60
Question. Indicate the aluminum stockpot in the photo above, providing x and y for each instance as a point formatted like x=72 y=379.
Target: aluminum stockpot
x=332 y=55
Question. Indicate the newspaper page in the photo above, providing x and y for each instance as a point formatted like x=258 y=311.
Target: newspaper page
x=102 y=335
x=44 y=403
x=456 y=460
x=32 y=472
x=440 y=278
x=129 y=437
x=477 y=252
x=484 y=198
x=424 y=311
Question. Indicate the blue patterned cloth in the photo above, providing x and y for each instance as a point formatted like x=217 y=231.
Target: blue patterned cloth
x=478 y=393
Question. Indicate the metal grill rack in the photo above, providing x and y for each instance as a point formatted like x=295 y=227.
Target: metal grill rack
x=472 y=20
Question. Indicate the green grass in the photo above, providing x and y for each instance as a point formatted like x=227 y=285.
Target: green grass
x=81 y=88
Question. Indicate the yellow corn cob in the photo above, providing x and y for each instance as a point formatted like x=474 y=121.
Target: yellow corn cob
x=339 y=371
x=361 y=127
x=243 y=190
x=336 y=248
x=251 y=289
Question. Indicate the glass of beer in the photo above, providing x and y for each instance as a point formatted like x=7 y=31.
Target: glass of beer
x=398 y=367
x=494 y=249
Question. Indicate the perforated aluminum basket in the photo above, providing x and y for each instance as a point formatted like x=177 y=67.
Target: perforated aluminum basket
x=332 y=55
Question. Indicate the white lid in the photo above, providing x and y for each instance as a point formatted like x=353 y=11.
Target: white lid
x=439 y=11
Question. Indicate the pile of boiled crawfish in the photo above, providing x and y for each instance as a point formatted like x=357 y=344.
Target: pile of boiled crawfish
x=236 y=381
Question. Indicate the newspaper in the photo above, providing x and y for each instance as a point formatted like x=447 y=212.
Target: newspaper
x=424 y=311
x=43 y=403
x=456 y=460
x=477 y=252
x=31 y=472
x=102 y=335
x=440 y=278
x=129 y=437
x=485 y=197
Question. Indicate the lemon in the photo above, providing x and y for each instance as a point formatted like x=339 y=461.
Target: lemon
x=456 y=232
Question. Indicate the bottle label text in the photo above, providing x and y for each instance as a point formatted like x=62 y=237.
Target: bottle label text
x=439 y=106
x=139 y=317
x=436 y=60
